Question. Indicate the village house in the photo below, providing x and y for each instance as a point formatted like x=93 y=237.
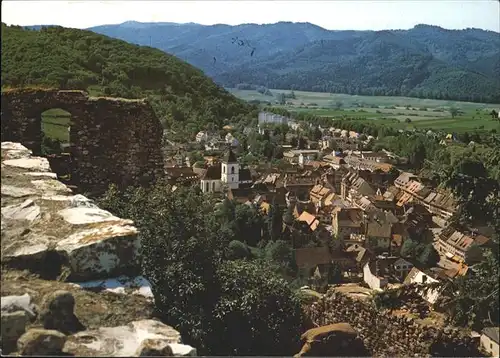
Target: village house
x=333 y=178
x=379 y=230
x=215 y=144
x=360 y=254
x=415 y=276
x=299 y=186
x=460 y=247
x=344 y=143
x=438 y=202
x=326 y=143
x=347 y=221
x=353 y=185
x=402 y=268
x=319 y=194
x=403 y=179
x=309 y=219
x=334 y=161
x=272 y=118
x=380 y=271
x=231 y=140
x=201 y=137
x=367 y=164
x=299 y=156
x=490 y=341
x=379 y=157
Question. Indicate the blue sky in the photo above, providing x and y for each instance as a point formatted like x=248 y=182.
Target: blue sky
x=334 y=14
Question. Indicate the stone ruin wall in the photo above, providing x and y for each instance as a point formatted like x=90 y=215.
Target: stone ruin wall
x=113 y=140
x=387 y=335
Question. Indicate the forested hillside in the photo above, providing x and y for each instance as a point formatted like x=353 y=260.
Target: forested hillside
x=78 y=59
x=426 y=61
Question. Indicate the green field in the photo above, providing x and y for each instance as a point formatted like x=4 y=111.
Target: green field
x=55 y=124
x=422 y=113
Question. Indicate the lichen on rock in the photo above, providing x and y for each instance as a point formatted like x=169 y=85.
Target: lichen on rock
x=46 y=227
x=42 y=342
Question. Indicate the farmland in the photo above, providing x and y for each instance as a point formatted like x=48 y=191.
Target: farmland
x=55 y=124
x=399 y=112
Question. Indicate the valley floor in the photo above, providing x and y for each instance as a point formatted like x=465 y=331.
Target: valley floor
x=400 y=112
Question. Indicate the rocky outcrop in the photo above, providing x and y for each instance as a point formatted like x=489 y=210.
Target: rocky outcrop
x=58 y=313
x=48 y=230
x=50 y=236
x=113 y=140
x=386 y=334
x=13 y=326
x=57 y=329
x=333 y=340
x=41 y=342
x=154 y=348
x=135 y=339
x=94 y=308
x=17 y=312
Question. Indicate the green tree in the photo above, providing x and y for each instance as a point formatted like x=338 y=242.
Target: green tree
x=473 y=300
x=281 y=253
x=335 y=274
x=257 y=313
x=180 y=253
x=221 y=307
x=409 y=248
x=237 y=250
x=247 y=224
x=274 y=221
x=280 y=98
x=453 y=112
x=428 y=257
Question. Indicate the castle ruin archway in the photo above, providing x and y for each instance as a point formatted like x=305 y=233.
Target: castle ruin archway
x=112 y=140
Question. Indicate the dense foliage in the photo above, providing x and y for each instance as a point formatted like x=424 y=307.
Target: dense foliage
x=426 y=61
x=181 y=94
x=221 y=304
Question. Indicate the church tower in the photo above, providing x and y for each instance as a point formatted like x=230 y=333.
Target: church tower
x=230 y=170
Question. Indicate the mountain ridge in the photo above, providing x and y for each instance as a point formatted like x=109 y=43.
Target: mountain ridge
x=424 y=61
x=182 y=96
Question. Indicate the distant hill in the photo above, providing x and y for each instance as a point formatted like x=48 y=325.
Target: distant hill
x=425 y=61
x=80 y=59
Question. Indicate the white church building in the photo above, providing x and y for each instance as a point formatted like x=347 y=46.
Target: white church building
x=227 y=173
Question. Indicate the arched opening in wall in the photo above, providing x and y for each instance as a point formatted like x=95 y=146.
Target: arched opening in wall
x=56 y=145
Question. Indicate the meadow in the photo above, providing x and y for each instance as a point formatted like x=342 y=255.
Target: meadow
x=55 y=124
x=399 y=112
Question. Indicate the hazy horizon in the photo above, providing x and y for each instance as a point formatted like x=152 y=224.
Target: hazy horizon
x=333 y=15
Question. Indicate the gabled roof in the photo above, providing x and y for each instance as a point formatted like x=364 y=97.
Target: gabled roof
x=245 y=175
x=350 y=217
x=379 y=229
x=213 y=172
x=492 y=333
x=309 y=219
x=411 y=275
x=405 y=177
x=312 y=256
